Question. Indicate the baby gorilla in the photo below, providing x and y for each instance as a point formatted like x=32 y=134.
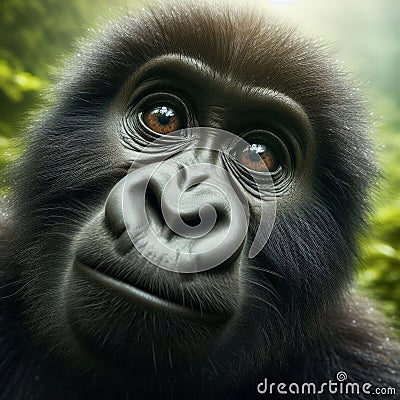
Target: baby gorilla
x=191 y=138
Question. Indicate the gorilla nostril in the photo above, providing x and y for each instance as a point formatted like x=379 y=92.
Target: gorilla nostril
x=191 y=219
x=114 y=216
x=192 y=187
x=195 y=220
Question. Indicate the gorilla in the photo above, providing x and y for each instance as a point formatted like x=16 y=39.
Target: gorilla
x=183 y=220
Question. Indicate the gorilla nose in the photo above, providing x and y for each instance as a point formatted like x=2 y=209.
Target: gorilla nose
x=186 y=201
x=184 y=219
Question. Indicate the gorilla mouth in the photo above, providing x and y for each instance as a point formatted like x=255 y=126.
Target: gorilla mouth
x=147 y=300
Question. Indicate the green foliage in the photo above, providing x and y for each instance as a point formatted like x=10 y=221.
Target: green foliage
x=380 y=269
x=14 y=83
x=380 y=274
x=37 y=31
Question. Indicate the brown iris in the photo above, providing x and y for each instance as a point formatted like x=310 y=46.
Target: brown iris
x=162 y=119
x=258 y=158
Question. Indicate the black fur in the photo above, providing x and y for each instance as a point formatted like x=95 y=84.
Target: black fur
x=299 y=319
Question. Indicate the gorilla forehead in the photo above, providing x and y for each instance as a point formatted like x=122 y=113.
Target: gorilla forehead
x=231 y=39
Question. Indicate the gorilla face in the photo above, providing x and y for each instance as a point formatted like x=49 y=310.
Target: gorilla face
x=119 y=165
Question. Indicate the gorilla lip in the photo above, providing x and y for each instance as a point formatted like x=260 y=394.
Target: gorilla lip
x=146 y=300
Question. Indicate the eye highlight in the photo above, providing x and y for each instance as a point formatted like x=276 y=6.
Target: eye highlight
x=162 y=119
x=258 y=157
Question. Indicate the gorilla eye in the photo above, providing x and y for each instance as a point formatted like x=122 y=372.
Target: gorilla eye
x=162 y=119
x=259 y=158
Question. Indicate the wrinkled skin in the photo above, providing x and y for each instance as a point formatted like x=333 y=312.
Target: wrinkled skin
x=72 y=324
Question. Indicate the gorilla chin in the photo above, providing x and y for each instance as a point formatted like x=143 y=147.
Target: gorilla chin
x=125 y=318
x=137 y=342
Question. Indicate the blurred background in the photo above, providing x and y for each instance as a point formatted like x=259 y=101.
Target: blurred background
x=364 y=35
